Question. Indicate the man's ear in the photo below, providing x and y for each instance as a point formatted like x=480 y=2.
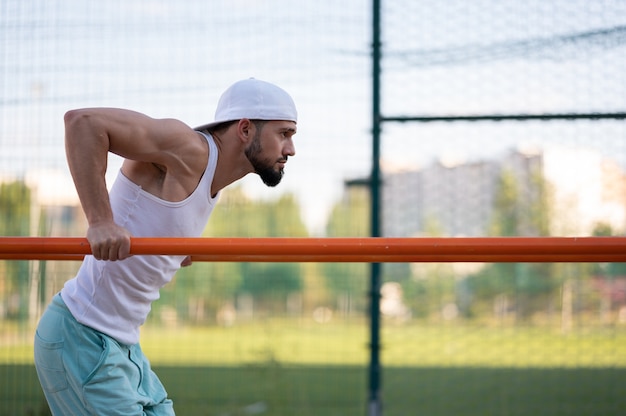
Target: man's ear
x=244 y=130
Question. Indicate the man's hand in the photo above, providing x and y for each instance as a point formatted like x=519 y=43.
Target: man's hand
x=109 y=241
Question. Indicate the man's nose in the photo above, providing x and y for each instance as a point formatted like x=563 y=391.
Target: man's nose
x=290 y=149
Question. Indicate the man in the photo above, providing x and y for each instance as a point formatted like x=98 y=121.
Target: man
x=87 y=354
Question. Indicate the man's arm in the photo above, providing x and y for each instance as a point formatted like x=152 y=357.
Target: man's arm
x=91 y=133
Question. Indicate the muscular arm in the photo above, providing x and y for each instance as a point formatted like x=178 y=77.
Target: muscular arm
x=164 y=156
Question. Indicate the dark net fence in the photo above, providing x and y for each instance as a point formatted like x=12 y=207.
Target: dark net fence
x=499 y=119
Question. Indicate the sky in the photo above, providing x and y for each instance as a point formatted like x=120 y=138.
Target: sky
x=173 y=59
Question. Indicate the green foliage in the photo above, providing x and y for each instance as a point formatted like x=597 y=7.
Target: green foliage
x=212 y=285
x=349 y=218
x=236 y=215
x=511 y=278
x=521 y=208
x=609 y=269
x=432 y=286
x=271 y=279
x=506 y=208
x=15 y=202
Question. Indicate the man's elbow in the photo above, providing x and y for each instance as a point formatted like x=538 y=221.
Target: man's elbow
x=73 y=117
x=81 y=122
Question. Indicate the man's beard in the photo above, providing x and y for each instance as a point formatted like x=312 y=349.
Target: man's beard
x=263 y=167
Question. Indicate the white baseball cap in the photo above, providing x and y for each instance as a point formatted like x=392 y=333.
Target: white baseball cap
x=255 y=100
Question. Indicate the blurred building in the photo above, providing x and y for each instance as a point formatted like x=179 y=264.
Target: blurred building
x=443 y=199
x=457 y=199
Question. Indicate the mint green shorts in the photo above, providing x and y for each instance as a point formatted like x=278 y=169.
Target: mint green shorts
x=85 y=372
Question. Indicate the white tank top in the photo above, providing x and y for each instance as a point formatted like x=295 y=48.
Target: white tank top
x=115 y=297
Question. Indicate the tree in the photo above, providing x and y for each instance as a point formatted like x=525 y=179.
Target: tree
x=272 y=282
x=521 y=208
x=610 y=269
x=349 y=218
x=15 y=203
x=207 y=286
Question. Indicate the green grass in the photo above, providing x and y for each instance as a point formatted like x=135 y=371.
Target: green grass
x=290 y=367
x=341 y=391
x=290 y=343
x=531 y=347
x=283 y=341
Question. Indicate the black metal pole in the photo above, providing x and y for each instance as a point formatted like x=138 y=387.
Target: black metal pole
x=507 y=117
x=375 y=402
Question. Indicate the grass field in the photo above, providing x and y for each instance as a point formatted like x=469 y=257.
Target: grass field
x=294 y=368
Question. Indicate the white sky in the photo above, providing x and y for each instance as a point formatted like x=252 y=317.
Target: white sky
x=173 y=59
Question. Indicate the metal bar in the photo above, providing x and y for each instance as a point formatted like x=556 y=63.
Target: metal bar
x=365 y=250
x=381 y=258
x=508 y=117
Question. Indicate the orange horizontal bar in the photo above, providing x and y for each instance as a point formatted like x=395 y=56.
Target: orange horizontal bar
x=367 y=250
x=481 y=258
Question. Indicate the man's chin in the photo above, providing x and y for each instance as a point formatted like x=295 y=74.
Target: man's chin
x=271 y=179
x=272 y=184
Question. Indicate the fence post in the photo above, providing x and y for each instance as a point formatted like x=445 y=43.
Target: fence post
x=375 y=402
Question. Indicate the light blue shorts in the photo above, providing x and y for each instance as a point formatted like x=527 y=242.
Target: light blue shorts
x=85 y=372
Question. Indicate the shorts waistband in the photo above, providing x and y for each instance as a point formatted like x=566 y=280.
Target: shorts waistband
x=58 y=305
